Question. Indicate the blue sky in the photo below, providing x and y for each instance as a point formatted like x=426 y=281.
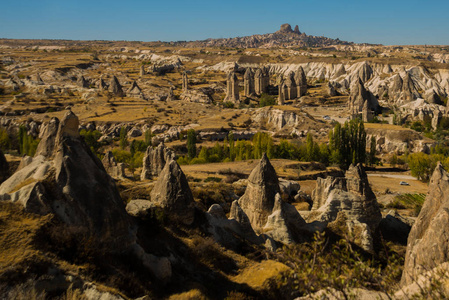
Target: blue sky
x=386 y=22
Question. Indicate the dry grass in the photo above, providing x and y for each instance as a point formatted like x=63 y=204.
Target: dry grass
x=17 y=233
x=258 y=275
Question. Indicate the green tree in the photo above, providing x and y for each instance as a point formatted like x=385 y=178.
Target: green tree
x=347 y=144
x=123 y=138
x=191 y=143
x=420 y=165
x=5 y=141
x=372 y=151
x=231 y=146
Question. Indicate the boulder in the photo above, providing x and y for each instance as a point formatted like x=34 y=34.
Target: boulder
x=172 y=193
x=427 y=245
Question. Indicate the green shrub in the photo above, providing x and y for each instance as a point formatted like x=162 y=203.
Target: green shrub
x=266 y=100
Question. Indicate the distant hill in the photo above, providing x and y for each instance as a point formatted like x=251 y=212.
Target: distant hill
x=285 y=37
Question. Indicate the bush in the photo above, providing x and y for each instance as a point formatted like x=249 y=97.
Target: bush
x=266 y=100
x=5 y=141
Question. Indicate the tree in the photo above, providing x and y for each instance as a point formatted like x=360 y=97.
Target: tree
x=231 y=146
x=123 y=138
x=191 y=143
x=372 y=151
x=347 y=144
x=5 y=141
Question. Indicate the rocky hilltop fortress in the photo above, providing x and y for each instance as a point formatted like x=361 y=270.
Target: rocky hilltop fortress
x=284 y=37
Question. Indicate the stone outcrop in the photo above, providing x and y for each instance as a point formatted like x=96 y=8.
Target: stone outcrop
x=185 y=82
x=102 y=85
x=134 y=90
x=111 y=166
x=261 y=81
x=331 y=91
x=248 y=83
x=4 y=167
x=82 y=82
x=285 y=28
x=365 y=72
x=427 y=245
x=48 y=137
x=301 y=82
x=290 y=90
x=281 y=92
x=258 y=200
x=261 y=210
x=347 y=206
x=172 y=193
x=296 y=30
x=232 y=90
x=359 y=95
x=73 y=185
x=154 y=161
x=115 y=88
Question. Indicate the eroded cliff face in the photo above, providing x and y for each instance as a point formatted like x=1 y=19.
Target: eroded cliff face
x=427 y=245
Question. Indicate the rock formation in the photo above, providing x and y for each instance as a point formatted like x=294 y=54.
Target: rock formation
x=281 y=93
x=297 y=30
x=348 y=206
x=248 y=83
x=301 y=82
x=290 y=85
x=4 y=167
x=258 y=200
x=285 y=28
x=73 y=185
x=261 y=81
x=154 y=161
x=365 y=72
x=82 y=82
x=185 y=82
x=331 y=91
x=170 y=96
x=172 y=193
x=261 y=209
x=115 y=88
x=395 y=90
x=359 y=95
x=48 y=136
x=232 y=91
x=409 y=91
x=113 y=168
x=134 y=90
x=427 y=245
x=102 y=85
x=340 y=71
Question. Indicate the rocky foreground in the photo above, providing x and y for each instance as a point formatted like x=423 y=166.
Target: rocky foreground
x=66 y=181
